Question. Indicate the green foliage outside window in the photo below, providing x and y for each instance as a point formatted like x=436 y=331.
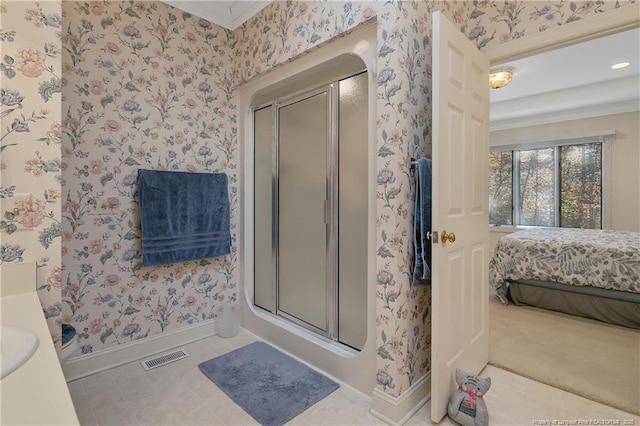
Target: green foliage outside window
x=526 y=185
x=501 y=187
x=581 y=186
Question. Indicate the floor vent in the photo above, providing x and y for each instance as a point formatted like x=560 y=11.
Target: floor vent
x=160 y=360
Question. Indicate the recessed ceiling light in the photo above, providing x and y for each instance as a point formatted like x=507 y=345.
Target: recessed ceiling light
x=619 y=65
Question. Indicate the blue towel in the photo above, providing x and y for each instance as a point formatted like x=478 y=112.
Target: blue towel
x=422 y=224
x=184 y=216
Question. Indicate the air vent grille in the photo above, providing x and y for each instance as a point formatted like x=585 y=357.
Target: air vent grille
x=164 y=359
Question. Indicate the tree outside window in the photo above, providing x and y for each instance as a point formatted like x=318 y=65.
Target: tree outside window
x=558 y=185
x=501 y=187
x=581 y=186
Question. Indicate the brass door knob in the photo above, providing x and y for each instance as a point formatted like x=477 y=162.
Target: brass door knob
x=450 y=237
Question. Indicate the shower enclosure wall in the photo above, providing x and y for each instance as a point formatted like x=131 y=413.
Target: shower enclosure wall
x=308 y=134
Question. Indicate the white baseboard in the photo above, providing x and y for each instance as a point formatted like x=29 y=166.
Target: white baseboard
x=82 y=366
x=397 y=410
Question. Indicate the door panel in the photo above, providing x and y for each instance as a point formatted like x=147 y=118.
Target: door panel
x=479 y=173
x=455 y=190
x=460 y=192
x=475 y=319
x=455 y=302
x=302 y=232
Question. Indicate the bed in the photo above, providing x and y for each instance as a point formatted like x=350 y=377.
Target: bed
x=585 y=272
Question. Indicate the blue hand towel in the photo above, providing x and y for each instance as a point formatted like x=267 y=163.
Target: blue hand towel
x=422 y=224
x=184 y=216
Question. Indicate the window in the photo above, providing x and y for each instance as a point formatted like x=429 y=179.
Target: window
x=501 y=187
x=549 y=184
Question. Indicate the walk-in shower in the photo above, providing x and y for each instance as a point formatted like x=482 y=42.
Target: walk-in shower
x=308 y=134
x=310 y=208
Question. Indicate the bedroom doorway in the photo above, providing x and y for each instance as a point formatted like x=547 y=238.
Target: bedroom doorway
x=552 y=329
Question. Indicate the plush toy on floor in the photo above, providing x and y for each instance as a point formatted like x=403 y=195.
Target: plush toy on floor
x=467 y=406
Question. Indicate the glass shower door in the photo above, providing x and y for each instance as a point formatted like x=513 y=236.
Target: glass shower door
x=303 y=134
x=311 y=209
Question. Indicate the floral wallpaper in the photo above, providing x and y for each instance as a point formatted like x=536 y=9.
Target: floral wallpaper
x=146 y=85
x=493 y=22
x=30 y=131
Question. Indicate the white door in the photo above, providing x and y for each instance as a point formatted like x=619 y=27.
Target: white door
x=460 y=316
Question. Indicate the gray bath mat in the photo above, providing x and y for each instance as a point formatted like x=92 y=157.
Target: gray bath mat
x=269 y=385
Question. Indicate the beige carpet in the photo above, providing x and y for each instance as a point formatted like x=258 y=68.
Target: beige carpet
x=590 y=358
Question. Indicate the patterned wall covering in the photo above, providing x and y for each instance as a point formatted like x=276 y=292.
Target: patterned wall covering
x=490 y=23
x=30 y=115
x=145 y=85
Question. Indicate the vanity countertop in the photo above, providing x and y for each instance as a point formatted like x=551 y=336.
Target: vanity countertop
x=36 y=393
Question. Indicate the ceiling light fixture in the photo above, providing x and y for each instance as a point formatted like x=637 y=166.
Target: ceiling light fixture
x=500 y=77
x=620 y=65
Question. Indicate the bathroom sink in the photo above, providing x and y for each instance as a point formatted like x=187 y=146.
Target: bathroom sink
x=17 y=345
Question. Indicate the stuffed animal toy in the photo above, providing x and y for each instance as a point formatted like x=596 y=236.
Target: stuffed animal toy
x=467 y=406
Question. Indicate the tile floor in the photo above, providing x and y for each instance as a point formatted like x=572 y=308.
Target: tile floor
x=179 y=394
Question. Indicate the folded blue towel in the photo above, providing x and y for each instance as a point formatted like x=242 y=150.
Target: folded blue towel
x=184 y=216
x=422 y=224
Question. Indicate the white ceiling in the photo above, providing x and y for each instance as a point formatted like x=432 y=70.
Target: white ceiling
x=584 y=63
x=227 y=14
x=574 y=80
x=562 y=84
